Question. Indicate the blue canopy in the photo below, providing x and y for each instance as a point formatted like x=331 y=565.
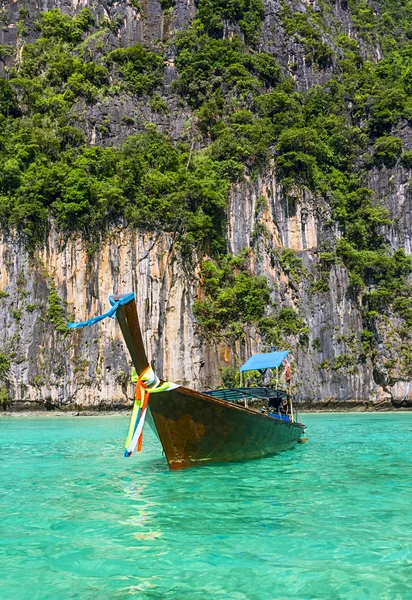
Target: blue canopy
x=269 y=360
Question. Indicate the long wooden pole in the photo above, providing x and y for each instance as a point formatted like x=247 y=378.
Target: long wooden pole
x=129 y=324
x=290 y=402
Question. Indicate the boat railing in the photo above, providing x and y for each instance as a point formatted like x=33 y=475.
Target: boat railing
x=249 y=395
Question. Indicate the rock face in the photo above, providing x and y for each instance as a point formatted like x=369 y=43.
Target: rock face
x=44 y=366
x=90 y=367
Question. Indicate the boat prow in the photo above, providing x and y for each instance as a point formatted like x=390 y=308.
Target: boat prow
x=196 y=428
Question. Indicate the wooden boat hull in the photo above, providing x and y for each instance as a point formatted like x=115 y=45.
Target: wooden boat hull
x=196 y=429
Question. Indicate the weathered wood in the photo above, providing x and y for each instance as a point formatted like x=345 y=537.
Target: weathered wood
x=195 y=428
x=130 y=326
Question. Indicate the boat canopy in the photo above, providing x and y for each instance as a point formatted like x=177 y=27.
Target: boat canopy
x=268 y=360
x=234 y=394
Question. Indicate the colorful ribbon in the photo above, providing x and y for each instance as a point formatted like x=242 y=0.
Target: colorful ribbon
x=110 y=313
x=147 y=383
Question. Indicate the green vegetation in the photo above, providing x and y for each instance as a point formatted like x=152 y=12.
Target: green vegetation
x=141 y=70
x=56 y=311
x=86 y=189
x=306 y=27
x=246 y=113
x=292 y=265
x=316 y=143
x=317 y=344
x=167 y=4
x=157 y=104
x=230 y=377
x=290 y=323
x=212 y=69
x=234 y=298
x=4 y=365
x=344 y=362
x=17 y=314
x=5 y=399
x=387 y=151
x=47 y=168
x=246 y=13
x=406 y=159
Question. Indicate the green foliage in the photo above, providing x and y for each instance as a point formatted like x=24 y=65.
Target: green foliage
x=233 y=298
x=321 y=284
x=240 y=145
x=325 y=364
x=387 y=150
x=247 y=113
x=367 y=339
x=4 y=366
x=56 y=25
x=5 y=52
x=5 y=398
x=364 y=250
x=344 y=362
x=212 y=68
x=157 y=104
x=406 y=159
x=292 y=265
x=403 y=305
x=141 y=70
x=247 y=13
x=291 y=323
x=56 y=311
x=166 y=4
x=53 y=71
x=317 y=344
x=17 y=314
x=146 y=183
x=8 y=99
x=305 y=26
x=230 y=377
x=361 y=221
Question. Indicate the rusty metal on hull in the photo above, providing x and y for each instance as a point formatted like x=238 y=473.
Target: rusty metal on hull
x=196 y=428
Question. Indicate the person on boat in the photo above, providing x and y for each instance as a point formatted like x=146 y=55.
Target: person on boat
x=274 y=403
x=283 y=409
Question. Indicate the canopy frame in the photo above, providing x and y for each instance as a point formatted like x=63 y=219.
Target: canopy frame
x=262 y=362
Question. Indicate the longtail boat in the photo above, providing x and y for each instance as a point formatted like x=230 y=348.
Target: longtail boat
x=196 y=427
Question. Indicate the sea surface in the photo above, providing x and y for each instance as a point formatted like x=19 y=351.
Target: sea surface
x=330 y=519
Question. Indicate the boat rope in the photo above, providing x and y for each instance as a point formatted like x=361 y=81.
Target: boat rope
x=110 y=313
x=147 y=383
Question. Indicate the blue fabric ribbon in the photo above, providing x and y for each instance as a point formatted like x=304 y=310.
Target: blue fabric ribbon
x=110 y=313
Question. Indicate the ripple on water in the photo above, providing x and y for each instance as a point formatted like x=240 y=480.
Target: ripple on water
x=330 y=519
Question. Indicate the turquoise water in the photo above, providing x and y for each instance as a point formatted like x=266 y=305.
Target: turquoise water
x=330 y=519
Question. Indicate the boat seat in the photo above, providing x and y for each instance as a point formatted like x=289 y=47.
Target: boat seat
x=279 y=416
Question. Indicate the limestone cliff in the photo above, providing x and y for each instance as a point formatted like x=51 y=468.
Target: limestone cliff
x=45 y=366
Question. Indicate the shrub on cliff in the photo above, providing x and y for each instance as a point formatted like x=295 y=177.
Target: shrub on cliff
x=213 y=15
x=54 y=24
x=141 y=70
x=387 y=150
